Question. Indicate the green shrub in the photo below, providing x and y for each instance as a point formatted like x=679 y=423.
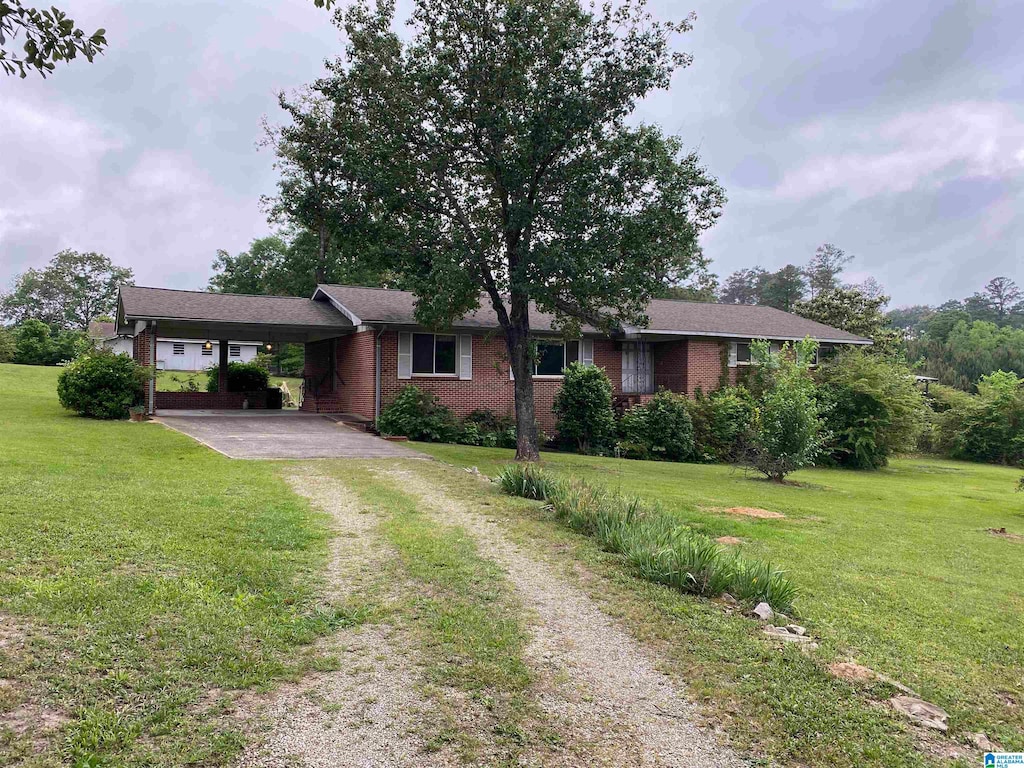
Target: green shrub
x=652 y=541
x=36 y=344
x=7 y=347
x=102 y=385
x=242 y=377
x=721 y=423
x=527 y=481
x=669 y=428
x=787 y=433
x=872 y=409
x=584 y=408
x=417 y=415
x=988 y=427
x=660 y=429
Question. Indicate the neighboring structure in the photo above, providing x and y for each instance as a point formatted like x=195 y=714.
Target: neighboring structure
x=363 y=345
x=105 y=335
x=175 y=354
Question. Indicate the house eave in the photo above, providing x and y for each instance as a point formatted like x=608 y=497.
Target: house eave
x=638 y=333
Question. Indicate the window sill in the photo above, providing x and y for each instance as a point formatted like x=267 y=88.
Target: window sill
x=435 y=376
x=548 y=377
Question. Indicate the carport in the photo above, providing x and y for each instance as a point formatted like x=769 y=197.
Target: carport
x=143 y=313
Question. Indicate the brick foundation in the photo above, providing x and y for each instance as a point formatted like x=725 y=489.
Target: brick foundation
x=177 y=401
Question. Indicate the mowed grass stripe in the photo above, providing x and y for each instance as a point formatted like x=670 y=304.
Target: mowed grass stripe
x=471 y=624
x=140 y=570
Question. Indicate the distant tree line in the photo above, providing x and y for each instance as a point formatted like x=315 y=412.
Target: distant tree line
x=47 y=312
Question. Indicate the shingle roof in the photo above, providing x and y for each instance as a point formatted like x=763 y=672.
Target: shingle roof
x=164 y=303
x=378 y=305
x=98 y=330
x=385 y=305
x=738 y=320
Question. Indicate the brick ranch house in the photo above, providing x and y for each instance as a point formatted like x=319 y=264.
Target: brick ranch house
x=363 y=345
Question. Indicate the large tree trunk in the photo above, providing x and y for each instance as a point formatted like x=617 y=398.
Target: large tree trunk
x=517 y=340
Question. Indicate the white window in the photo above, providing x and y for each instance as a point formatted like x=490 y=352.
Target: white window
x=553 y=356
x=207 y=351
x=234 y=350
x=433 y=354
x=178 y=348
x=739 y=352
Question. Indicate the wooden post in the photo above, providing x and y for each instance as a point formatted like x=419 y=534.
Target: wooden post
x=222 y=377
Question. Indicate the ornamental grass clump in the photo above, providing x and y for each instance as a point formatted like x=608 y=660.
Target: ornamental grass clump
x=652 y=541
x=527 y=481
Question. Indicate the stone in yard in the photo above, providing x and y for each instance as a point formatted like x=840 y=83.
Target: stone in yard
x=796 y=629
x=763 y=611
x=784 y=633
x=921 y=712
x=983 y=742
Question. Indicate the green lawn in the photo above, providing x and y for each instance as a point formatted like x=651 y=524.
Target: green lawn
x=896 y=567
x=140 y=570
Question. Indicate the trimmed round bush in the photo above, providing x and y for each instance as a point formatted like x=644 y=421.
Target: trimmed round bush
x=102 y=385
x=417 y=415
x=242 y=377
x=584 y=408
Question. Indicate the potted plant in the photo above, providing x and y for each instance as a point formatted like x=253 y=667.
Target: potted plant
x=137 y=413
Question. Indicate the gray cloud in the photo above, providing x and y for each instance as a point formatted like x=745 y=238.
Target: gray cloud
x=895 y=130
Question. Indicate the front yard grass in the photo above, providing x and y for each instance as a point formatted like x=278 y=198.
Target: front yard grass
x=139 y=571
x=897 y=568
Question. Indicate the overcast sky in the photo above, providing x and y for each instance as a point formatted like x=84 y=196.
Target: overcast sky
x=893 y=129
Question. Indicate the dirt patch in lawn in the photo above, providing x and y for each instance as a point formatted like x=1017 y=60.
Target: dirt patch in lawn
x=730 y=541
x=762 y=514
x=596 y=685
x=1005 y=534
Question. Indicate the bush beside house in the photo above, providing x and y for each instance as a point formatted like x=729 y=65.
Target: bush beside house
x=583 y=407
x=102 y=385
x=242 y=377
x=856 y=411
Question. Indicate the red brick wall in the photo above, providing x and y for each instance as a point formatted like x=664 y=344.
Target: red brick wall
x=207 y=400
x=681 y=366
x=142 y=352
x=491 y=386
x=355 y=364
x=703 y=365
x=670 y=365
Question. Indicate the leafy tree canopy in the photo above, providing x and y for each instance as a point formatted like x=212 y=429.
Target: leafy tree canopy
x=824 y=268
x=287 y=264
x=47 y=36
x=848 y=309
x=494 y=144
x=70 y=292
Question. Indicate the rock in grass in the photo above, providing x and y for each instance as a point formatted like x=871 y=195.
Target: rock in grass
x=785 y=633
x=763 y=611
x=983 y=742
x=921 y=712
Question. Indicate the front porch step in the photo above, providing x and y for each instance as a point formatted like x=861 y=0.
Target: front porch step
x=353 y=420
